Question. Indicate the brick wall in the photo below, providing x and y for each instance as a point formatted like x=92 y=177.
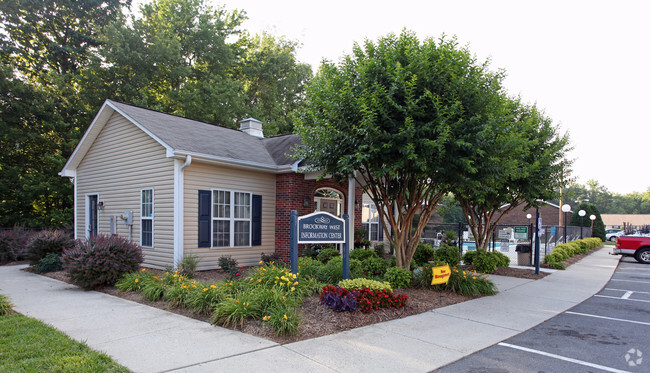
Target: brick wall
x=291 y=189
x=548 y=213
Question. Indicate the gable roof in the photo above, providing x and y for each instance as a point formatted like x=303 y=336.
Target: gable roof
x=203 y=141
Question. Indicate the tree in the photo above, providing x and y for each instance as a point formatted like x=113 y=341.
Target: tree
x=590 y=209
x=450 y=211
x=386 y=116
x=517 y=158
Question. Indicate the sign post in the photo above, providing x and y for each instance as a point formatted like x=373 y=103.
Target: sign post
x=319 y=227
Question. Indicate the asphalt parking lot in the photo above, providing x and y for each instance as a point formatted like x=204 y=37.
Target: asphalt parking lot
x=609 y=332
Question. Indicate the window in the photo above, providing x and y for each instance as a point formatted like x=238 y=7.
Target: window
x=146 y=218
x=370 y=221
x=231 y=218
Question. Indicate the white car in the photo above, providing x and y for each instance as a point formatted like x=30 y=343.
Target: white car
x=614 y=235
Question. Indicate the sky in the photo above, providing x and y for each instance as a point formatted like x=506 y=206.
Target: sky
x=585 y=63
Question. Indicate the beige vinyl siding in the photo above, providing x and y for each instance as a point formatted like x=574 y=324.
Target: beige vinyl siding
x=121 y=162
x=200 y=176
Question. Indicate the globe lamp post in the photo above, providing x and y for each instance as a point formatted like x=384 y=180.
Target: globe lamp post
x=565 y=208
x=592 y=218
x=582 y=214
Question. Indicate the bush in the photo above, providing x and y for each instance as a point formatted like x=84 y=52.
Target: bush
x=13 y=244
x=359 y=283
x=308 y=267
x=187 y=266
x=399 y=278
x=339 y=299
x=363 y=254
x=325 y=255
x=45 y=242
x=447 y=254
x=101 y=260
x=487 y=262
x=567 y=250
x=5 y=305
x=380 y=250
x=229 y=265
x=311 y=251
x=468 y=283
x=374 y=266
x=332 y=272
x=423 y=254
x=51 y=263
x=269 y=258
x=369 y=300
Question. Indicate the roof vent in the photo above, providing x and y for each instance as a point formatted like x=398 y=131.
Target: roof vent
x=252 y=127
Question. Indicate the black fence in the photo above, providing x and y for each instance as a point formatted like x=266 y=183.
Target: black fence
x=514 y=241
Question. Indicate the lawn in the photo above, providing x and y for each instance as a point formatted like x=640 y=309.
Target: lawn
x=28 y=345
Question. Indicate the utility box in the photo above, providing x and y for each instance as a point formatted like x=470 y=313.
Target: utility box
x=112 y=221
x=128 y=217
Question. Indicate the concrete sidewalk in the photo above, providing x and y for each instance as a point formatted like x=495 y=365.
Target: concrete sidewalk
x=146 y=339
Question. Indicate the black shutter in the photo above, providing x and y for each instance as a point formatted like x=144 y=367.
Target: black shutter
x=380 y=236
x=256 y=221
x=205 y=205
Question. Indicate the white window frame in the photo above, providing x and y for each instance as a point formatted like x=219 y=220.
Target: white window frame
x=370 y=206
x=87 y=214
x=231 y=218
x=151 y=218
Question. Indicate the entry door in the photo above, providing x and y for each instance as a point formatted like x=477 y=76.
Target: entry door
x=329 y=205
x=91 y=203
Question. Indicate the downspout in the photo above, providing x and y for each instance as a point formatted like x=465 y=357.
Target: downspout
x=351 y=211
x=179 y=210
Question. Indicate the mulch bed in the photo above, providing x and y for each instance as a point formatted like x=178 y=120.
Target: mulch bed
x=319 y=321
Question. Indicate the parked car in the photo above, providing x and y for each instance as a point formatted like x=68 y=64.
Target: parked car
x=612 y=235
x=636 y=246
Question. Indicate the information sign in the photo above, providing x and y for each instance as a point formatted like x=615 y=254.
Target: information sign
x=521 y=233
x=440 y=275
x=321 y=227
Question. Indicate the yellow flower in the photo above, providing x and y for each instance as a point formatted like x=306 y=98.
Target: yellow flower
x=213 y=286
x=284 y=317
x=166 y=273
x=474 y=277
x=261 y=262
x=205 y=289
x=293 y=288
x=283 y=297
x=136 y=280
x=260 y=280
x=143 y=269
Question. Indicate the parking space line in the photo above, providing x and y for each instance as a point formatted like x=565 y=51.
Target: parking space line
x=559 y=357
x=634 y=300
x=627 y=295
x=607 y=318
x=640 y=292
x=638 y=282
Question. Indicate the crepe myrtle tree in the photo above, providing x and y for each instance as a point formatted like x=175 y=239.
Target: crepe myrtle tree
x=520 y=162
x=386 y=115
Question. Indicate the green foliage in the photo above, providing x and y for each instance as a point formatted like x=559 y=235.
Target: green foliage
x=423 y=254
x=229 y=265
x=447 y=254
x=332 y=272
x=133 y=281
x=187 y=266
x=362 y=254
x=51 y=263
x=5 y=305
x=270 y=258
x=359 y=283
x=399 y=278
x=567 y=250
x=325 y=255
x=101 y=260
x=484 y=261
x=462 y=282
x=380 y=250
x=590 y=209
x=46 y=242
x=375 y=267
x=308 y=268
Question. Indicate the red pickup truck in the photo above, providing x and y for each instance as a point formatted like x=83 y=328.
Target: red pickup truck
x=636 y=246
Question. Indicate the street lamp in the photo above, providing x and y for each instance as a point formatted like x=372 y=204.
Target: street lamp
x=592 y=218
x=582 y=214
x=565 y=208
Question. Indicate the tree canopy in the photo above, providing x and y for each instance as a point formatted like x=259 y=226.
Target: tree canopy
x=388 y=115
x=590 y=209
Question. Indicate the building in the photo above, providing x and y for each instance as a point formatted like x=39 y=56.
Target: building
x=618 y=221
x=549 y=212
x=178 y=186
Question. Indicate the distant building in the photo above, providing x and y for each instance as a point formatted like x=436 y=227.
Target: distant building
x=616 y=221
x=549 y=212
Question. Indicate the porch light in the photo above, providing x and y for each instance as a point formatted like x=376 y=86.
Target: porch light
x=306 y=202
x=356 y=204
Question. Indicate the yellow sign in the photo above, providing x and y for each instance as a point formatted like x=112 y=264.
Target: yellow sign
x=440 y=275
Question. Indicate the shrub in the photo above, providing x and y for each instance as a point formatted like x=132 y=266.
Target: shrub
x=133 y=281
x=423 y=253
x=284 y=322
x=201 y=298
x=332 y=272
x=325 y=255
x=13 y=244
x=374 y=266
x=339 y=299
x=447 y=254
x=269 y=258
x=101 y=260
x=359 y=283
x=380 y=249
x=311 y=251
x=468 y=257
x=369 y=300
x=51 y=263
x=469 y=283
x=187 y=266
x=233 y=311
x=5 y=305
x=229 y=265
x=308 y=267
x=45 y=242
x=392 y=262
x=399 y=278
x=362 y=254
x=487 y=262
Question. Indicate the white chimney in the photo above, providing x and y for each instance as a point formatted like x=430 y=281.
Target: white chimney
x=252 y=127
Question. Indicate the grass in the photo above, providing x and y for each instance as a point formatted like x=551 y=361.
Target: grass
x=28 y=345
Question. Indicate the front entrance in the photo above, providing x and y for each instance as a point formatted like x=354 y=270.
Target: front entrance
x=329 y=200
x=91 y=215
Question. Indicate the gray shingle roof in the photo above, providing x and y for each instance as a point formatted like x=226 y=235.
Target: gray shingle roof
x=187 y=135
